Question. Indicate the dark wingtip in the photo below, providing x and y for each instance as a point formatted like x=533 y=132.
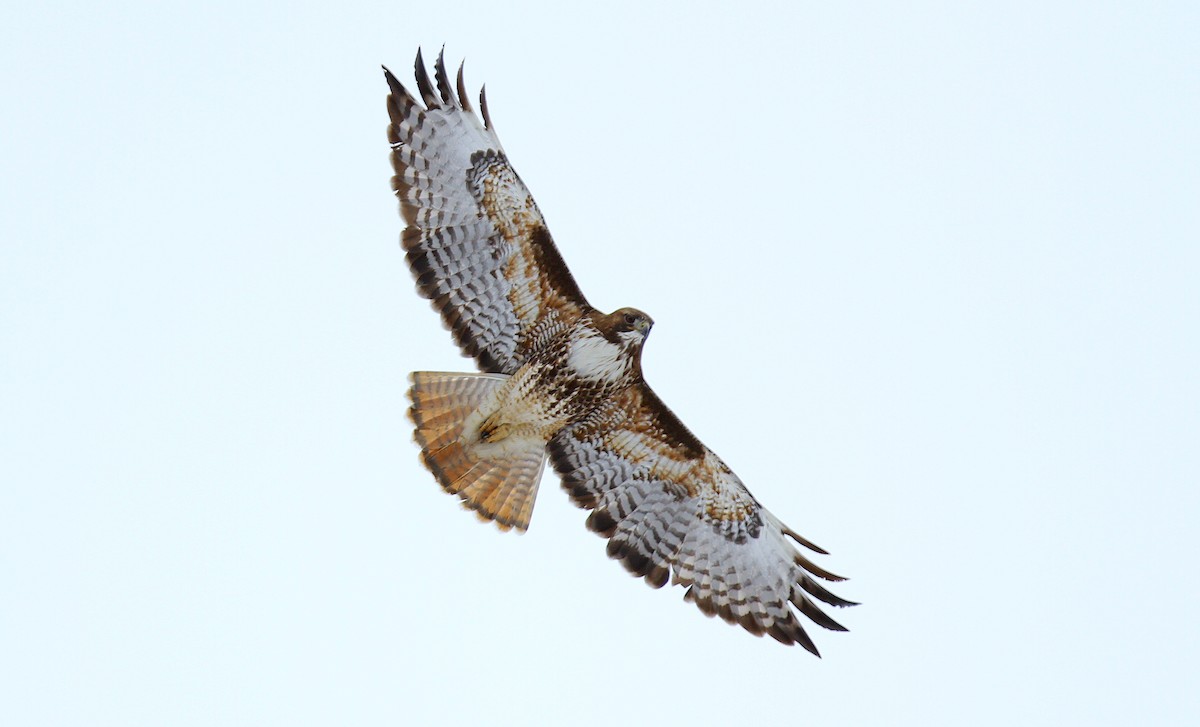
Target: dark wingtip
x=602 y=523
x=393 y=83
x=423 y=83
x=821 y=593
x=443 y=78
x=483 y=108
x=463 y=99
x=819 y=617
x=804 y=541
x=801 y=637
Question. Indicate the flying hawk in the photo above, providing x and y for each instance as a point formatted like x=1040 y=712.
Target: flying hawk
x=562 y=378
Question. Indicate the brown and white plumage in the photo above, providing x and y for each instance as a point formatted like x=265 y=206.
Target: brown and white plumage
x=476 y=240
x=562 y=378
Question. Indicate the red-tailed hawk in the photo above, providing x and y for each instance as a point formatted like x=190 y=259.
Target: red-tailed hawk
x=561 y=378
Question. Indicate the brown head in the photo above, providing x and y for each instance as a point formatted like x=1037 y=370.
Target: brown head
x=626 y=326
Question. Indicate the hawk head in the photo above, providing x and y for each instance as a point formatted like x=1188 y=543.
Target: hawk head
x=626 y=326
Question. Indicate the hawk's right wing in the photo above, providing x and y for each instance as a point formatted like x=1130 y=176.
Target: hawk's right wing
x=671 y=508
x=476 y=240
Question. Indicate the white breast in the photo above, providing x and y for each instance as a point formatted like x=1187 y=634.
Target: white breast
x=592 y=356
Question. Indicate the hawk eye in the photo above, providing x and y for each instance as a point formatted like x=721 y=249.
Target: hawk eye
x=630 y=319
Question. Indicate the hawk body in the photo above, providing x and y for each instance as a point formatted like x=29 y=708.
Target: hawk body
x=560 y=378
x=564 y=380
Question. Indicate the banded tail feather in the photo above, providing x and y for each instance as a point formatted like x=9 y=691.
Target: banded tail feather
x=497 y=479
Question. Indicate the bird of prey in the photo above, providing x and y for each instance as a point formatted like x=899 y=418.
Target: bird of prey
x=561 y=379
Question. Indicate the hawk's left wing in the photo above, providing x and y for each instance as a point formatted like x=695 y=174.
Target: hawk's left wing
x=672 y=509
x=476 y=240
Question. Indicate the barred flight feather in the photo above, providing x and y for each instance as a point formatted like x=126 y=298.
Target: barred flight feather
x=476 y=240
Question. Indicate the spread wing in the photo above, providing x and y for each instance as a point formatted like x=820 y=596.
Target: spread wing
x=476 y=240
x=672 y=509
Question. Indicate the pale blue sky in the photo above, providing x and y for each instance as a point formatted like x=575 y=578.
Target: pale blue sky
x=924 y=274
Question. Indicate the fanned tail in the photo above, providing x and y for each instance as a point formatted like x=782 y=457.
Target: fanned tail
x=496 y=479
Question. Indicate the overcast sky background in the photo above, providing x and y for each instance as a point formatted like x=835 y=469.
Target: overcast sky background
x=924 y=274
